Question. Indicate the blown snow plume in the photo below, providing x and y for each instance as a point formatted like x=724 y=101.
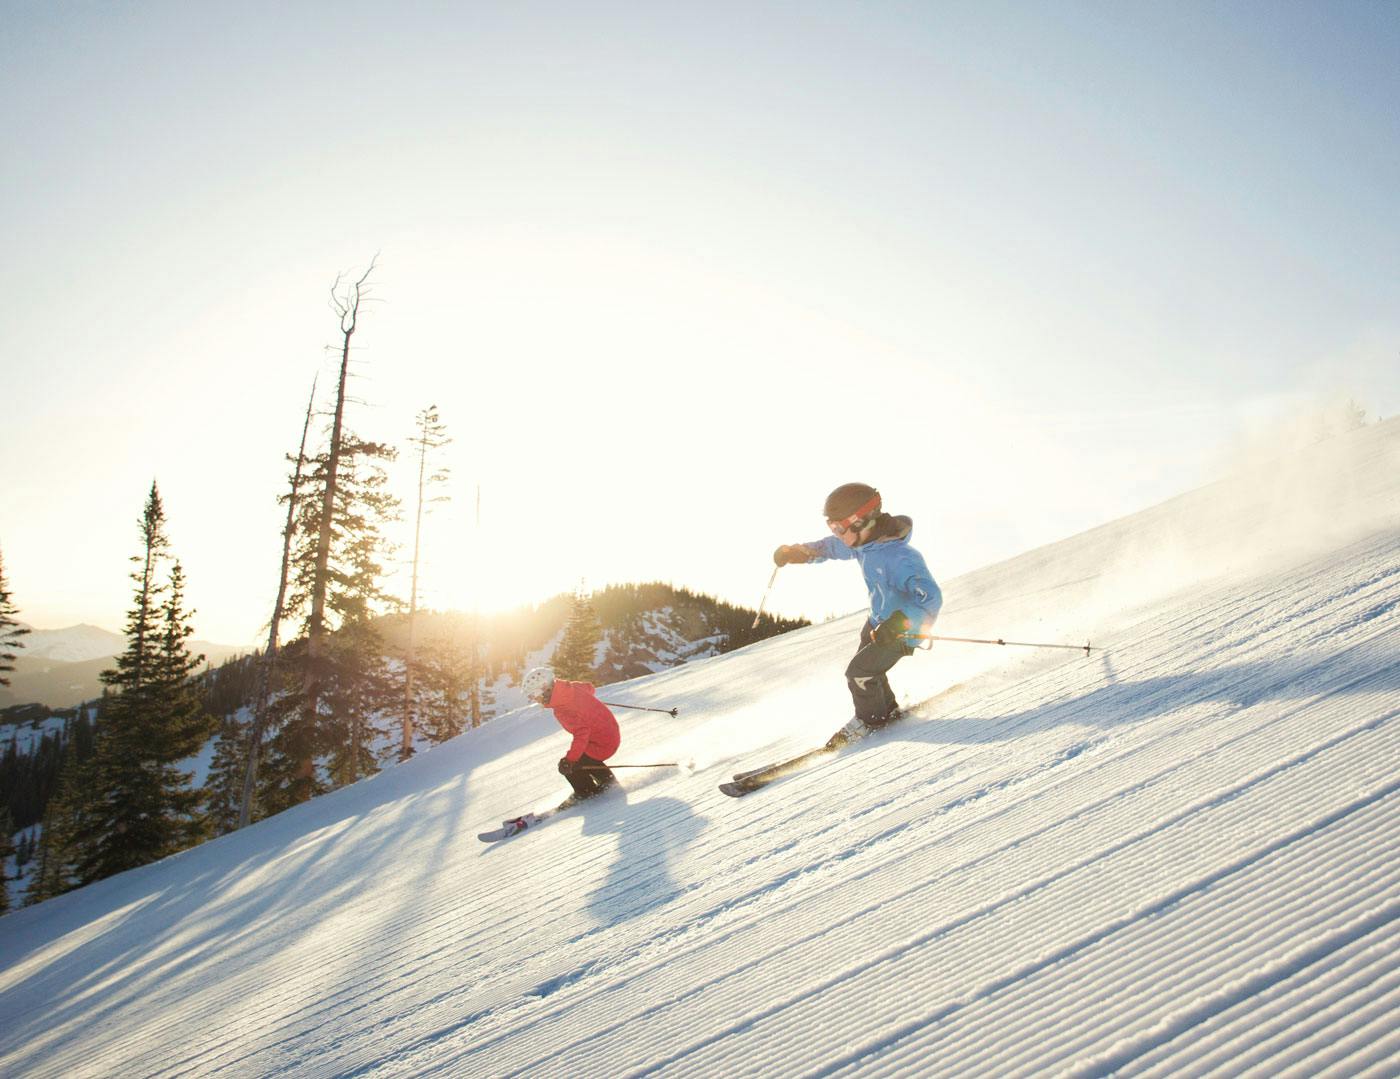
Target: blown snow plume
x=1272 y=510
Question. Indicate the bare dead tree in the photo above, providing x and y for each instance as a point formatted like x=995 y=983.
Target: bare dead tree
x=432 y=435
x=269 y=663
x=345 y=301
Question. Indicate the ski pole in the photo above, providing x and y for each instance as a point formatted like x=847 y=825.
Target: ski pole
x=673 y=712
x=1019 y=644
x=662 y=764
x=759 y=613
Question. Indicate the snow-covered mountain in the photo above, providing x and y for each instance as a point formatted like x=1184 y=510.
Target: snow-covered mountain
x=1178 y=855
x=72 y=645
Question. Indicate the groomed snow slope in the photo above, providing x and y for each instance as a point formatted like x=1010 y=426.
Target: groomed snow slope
x=1180 y=855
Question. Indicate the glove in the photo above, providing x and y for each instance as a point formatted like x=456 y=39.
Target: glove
x=566 y=766
x=791 y=552
x=891 y=631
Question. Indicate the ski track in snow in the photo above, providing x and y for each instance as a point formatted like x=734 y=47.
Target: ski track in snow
x=1178 y=855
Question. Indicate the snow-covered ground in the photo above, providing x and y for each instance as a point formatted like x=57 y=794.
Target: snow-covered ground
x=27 y=736
x=1179 y=855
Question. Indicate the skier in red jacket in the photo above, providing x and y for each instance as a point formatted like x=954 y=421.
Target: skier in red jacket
x=588 y=719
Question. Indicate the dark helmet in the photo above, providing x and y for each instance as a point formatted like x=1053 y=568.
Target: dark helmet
x=852 y=503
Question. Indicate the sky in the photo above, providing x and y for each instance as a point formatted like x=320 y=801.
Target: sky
x=672 y=272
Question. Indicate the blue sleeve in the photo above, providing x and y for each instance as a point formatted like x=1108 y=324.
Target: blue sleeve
x=828 y=547
x=922 y=590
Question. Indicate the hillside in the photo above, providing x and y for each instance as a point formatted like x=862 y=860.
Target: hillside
x=1178 y=855
x=644 y=628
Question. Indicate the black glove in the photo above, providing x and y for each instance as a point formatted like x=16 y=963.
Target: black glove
x=891 y=631
x=566 y=766
x=791 y=552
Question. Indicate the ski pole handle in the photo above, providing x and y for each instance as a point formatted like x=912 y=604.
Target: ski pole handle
x=672 y=712
x=1085 y=647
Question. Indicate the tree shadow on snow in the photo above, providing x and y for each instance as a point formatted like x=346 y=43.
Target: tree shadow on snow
x=241 y=897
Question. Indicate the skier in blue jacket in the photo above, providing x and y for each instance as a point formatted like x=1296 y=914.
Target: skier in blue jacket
x=904 y=597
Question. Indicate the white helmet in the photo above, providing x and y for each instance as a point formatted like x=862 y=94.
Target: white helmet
x=538 y=683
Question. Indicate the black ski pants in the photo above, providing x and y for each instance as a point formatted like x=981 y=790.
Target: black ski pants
x=866 y=677
x=589 y=776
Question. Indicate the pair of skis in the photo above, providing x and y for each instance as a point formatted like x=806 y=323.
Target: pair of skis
x=747 y=782
x=743 y=783
x=516 y=825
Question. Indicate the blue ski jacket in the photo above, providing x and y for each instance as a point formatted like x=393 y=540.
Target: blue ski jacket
x=895 y=574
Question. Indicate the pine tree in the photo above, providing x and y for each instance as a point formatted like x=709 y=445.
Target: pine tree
x=346 y=673
x=185 y=724
x=317 y=572
x=138 y=661
x=481 y=700
x=454 y=691
x=358 y=693
x=288 y=773
x=10 y=630
x=24 y=854
x=223 y=788
x=431 y=436
x=141 y=806
x=573 y=660
x=58 y=851
x=267 y=669
x=442 y=693
x=7 y=851
x=445 y=692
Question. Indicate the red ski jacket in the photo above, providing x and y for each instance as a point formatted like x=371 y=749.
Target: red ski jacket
x=585 y=717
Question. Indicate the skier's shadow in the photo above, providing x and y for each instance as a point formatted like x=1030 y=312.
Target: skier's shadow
x=640 y=878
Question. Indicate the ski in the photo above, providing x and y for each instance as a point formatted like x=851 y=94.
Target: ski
x=516 y=825
x=511 y=827
x=747 y=782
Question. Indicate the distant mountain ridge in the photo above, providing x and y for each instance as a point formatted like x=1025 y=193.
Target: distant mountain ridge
x=73 y=644
x=60 y=668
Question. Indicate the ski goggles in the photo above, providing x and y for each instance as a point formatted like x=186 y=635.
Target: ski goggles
x=856 y=521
